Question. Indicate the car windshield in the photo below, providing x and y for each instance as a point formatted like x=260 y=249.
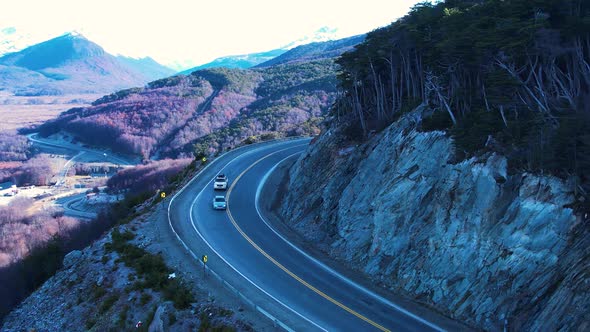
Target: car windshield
x=219 y=199
x=221 y=177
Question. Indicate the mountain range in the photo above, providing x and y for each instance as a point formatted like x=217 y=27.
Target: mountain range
x=248 y=60
x=316 y=50
x=213 y=109
x=298 y=53
x=73 y=64
x=242 y=61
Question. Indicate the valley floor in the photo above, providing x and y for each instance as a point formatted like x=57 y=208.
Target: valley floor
x=24 y=111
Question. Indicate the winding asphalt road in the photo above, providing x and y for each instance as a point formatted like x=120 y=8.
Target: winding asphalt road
x=240 y=238
x=67 y=202
x=77 y=151
x=110 y=157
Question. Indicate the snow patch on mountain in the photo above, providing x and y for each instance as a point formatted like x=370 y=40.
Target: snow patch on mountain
x=322 y=34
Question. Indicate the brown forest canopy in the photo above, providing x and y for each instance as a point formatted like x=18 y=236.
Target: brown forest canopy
x=208 y=111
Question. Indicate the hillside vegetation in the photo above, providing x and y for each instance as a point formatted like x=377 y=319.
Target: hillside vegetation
x=13 y=147
x=209 y=110
x=506 y=76
x=33 y=244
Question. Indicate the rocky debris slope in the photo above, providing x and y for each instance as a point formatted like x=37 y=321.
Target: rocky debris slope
x=95 y=290
x=470 y=238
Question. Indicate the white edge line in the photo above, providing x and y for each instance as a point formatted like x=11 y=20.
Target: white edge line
x=264 y=312
x=66 y=169
x=274 y=319
x=220 y=256
x=325 y=267
x=77 y=213
x=248 y=279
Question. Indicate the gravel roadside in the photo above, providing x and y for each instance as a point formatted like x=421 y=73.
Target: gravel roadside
x=161 y=239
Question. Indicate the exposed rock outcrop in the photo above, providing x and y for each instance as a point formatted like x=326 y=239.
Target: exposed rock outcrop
x=485 y=245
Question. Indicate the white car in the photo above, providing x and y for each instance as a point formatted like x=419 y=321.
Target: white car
x=220 y=182
x=219 y=203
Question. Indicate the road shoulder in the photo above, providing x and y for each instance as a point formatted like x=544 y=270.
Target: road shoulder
x=163 y=240
x=275 y=188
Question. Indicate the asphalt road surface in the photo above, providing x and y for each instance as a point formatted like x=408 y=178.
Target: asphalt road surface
x=100 y=155
x=315 y=295
x=77 y=151
x=69 y=210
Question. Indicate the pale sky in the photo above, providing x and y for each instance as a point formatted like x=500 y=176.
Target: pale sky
x=196 y=31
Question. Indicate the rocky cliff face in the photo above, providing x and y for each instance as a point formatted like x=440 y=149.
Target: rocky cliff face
x=483 y=245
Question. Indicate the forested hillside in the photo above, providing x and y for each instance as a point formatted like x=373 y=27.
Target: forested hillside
x=505 y=76
x=213 y=108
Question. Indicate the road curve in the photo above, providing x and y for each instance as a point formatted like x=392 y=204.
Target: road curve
x=67 y=202
x=239 y=238
x=79 y=149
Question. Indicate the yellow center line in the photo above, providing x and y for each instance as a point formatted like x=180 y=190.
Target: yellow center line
x=279 y=265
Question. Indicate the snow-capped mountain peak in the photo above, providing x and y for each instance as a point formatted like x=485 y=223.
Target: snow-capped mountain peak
x=323 y=34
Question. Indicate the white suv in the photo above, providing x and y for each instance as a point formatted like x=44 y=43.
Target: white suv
x=220 y=182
